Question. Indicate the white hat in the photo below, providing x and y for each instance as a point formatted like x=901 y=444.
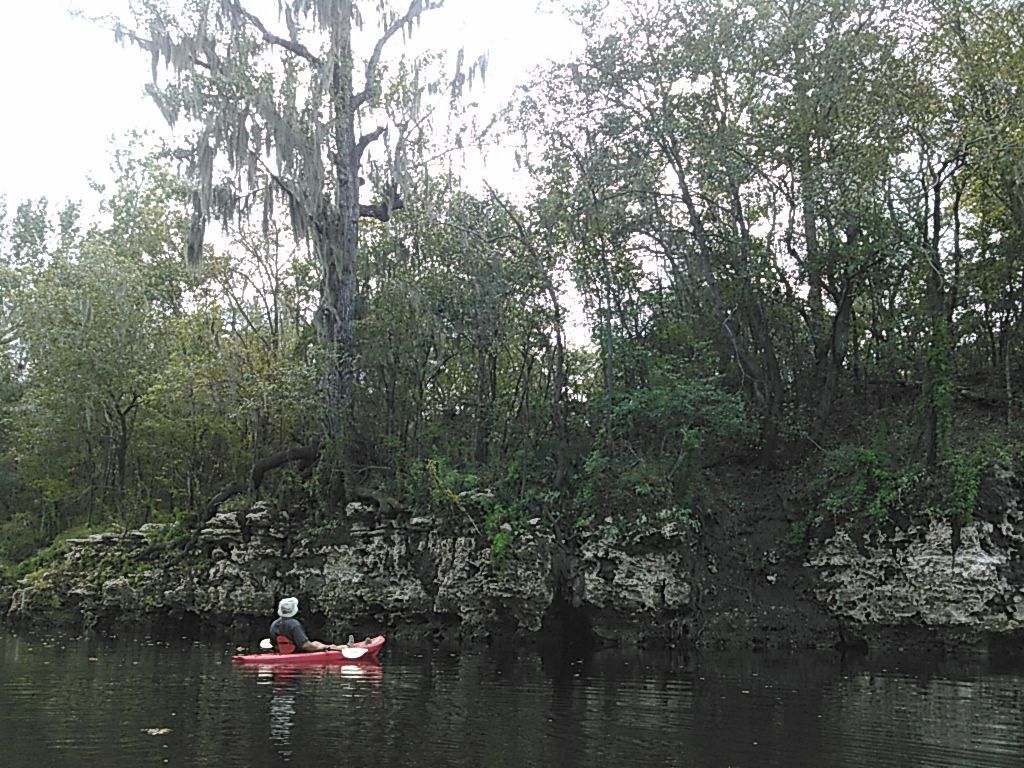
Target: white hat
x=288 y=607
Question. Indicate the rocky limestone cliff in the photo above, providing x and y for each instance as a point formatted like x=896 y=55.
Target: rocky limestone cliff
x=636 y=589
x=400 y=576
x=915 y=577
x=931 y=576
x=927 y=579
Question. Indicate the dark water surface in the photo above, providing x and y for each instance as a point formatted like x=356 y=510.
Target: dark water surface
x=147 y=703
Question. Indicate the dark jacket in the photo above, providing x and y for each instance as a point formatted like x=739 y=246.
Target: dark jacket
x=290 y=628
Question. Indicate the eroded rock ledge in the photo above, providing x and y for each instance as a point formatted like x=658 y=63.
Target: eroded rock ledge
x=404 y=576
x=930 y=575
x=410 y=577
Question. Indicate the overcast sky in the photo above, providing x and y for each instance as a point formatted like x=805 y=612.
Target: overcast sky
x=66 y=88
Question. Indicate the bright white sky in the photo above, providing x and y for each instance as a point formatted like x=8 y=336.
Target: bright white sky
x=66 y=88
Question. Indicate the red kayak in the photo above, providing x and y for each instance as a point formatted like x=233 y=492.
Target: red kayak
x=363 y=652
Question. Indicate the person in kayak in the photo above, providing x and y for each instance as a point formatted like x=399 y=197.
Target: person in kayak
x=287 y=634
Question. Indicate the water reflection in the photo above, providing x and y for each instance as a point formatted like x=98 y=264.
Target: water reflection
x=129 y=703
x=271 y=673
x=282 y=714
x=285 y=684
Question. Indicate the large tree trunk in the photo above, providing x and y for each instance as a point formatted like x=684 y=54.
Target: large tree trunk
x=812 y=255
x=337 y=250
x=295 y=144
x=337 y=243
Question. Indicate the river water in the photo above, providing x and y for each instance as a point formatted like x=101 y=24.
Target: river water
x=144 y=702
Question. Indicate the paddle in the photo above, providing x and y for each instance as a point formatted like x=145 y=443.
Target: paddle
x=348 y=653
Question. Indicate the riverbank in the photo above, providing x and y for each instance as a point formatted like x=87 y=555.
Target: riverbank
x=729 y=578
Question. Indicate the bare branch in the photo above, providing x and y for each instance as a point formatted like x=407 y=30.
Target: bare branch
x=306 y=455
x=366 y=140
x=524 y=236
x=416 y=7
x=382 y=211
x=250 y=324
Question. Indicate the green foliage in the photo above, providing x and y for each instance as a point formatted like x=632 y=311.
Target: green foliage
x=649 y=453
x=453 y=495
x=170 y=532
x=794 y=543
x=501 y=526
x=500 y=543
x=863 y=486
x=136 y=389
x=963 y=474
x=867 y=488
x=46 y=557
x=20 y=537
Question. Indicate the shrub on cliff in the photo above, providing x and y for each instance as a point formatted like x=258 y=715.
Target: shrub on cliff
x=654 y=443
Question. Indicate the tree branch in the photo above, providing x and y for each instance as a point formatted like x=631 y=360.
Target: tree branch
x=283 y=186
x=416 y=7
x=381 y=211
x=364 y=141
x=148 y=45
x=289 y=45
x=304 y=454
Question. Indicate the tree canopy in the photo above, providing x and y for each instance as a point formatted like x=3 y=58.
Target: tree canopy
x=792 y=233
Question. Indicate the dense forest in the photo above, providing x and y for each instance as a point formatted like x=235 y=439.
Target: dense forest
x=792 y=231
